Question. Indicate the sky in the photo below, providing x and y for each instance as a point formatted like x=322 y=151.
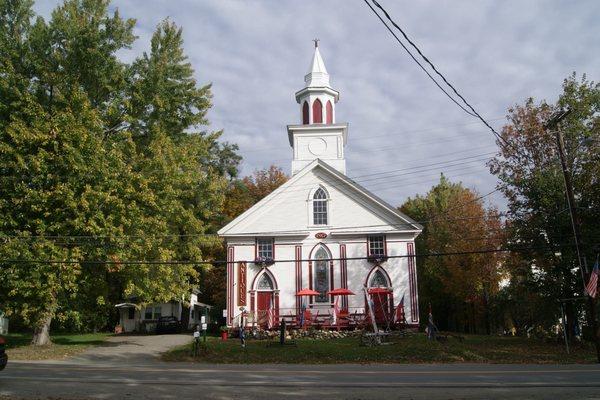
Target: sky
x=497 y=53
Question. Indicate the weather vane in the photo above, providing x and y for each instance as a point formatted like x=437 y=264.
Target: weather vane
x=316 y=42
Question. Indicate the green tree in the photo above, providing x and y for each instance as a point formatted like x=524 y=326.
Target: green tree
x=54 y=183
x=241 y=195
x=458 y=287
x=244 y=193
x=102 y=162
x=531 y=177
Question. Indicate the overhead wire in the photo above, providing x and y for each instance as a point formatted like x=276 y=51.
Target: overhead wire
x=396 y=134
x=419 y=64
x=472 y=111
x=414 y=170
x=217 y=262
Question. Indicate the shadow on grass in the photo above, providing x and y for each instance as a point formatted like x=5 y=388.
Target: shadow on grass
x=93 y=339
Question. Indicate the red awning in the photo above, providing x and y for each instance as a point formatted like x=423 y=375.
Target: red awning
x=379 y=290
x=341 y=292
x=307 y=292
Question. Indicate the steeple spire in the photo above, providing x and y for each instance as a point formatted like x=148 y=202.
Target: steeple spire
x=319 y=136
x=317 y=75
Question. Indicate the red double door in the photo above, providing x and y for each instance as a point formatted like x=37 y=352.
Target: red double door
x=265 y=309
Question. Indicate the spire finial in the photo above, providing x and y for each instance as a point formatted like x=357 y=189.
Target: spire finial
x=316 y=42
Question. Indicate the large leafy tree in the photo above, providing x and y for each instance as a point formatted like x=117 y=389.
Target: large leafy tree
x=458 y=287
x=102 y=162
x=531 y=177
x=241 y=195
x=244 y=193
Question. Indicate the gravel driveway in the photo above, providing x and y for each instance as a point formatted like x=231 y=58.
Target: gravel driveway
x=130 y=349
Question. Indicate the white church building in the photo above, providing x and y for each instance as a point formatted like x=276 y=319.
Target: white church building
x=320 y=232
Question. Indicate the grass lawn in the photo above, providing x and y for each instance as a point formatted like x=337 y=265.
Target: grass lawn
x=62 y=346
x=412 y=349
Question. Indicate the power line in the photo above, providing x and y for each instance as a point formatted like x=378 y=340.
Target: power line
x=216 y=262
x=392 y=171
x=395 y=134
x=442 y=168
x=472 y=111
x=414 y=170
x=370 y=167
x=418 y=63
x=433 y=219
x=402 y=145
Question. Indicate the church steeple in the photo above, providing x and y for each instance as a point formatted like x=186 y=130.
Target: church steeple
x=317 y=75
x=317 y=99
x=319 y=136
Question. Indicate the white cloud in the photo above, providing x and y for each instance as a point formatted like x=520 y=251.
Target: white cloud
x=256 y=54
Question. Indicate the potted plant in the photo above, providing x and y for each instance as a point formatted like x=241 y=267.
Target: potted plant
x=377 y=259
x=224 y=332
x=263 y=261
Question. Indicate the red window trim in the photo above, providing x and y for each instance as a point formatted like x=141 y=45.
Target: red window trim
x=385 y=252
x=256 y=245
x=305 y=113
x=317 y=106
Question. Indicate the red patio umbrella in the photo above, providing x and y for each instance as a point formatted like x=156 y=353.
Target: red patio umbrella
x=341 y=292
x=307 y=292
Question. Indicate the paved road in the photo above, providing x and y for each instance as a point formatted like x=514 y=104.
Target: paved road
x=128 y=367
x=156 y=380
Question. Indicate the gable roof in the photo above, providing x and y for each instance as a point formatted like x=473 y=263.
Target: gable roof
x=407 y=223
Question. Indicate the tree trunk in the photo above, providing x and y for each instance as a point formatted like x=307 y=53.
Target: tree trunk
x=486 y=313
x=41 y=333
x=570 y=314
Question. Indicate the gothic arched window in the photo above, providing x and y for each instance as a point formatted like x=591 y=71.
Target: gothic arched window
x=321 y=273
x=317 y=110
x=265 y=282
x=378 y=279
x=329 y=112
x=305 y=120
x=320 y=207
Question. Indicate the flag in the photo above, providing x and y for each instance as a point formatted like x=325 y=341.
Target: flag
x=270 y=315
x=399 y=317
x=269 y=319
x=302 y=310
x=592 y=286
x=336 y=310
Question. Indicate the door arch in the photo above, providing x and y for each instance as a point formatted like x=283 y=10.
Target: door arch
x=321 y=273
x=265 y=300
x=381 y=295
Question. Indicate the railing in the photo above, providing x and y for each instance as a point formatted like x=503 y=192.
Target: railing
x=320 y=317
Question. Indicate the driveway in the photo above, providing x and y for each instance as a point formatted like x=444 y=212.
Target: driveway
x=130 y=349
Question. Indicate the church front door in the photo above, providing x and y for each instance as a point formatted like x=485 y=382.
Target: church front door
x=264 y=310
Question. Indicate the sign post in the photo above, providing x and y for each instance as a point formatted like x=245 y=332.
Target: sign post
x=204 y=324
x=196 y=341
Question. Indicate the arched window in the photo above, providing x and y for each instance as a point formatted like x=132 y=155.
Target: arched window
x=305 y=113
x=265 y=282
x=320 y=207
x=378 y=279
x=321 y=283
x=317 y=112
x=329 y=112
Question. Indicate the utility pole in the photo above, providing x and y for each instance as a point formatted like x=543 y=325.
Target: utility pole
x=575 y=221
